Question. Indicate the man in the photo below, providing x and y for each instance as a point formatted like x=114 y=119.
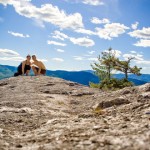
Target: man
x=38 y=67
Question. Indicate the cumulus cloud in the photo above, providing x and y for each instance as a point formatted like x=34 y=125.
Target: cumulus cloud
x=59 y=35
x=135 y=25
x=55 y=43
x=12 y=58
x=138 y=57
x=82 y=41
x=143 y=62
x=111 y=30
x=60 y=50
x=85 y=31
x=143 y=43
x=18 y=34
x=58 y=59
x=7 y=54
x=96 y=20
x=134 y=52
x=46 y=13
x=93 y=2
x=144 y=33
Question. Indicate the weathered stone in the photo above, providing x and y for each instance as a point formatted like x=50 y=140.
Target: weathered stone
x=144 y=88
x=42 y=112
x=145 y=95
x=114 y=102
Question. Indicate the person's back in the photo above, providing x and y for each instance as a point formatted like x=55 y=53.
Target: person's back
x=39 y=64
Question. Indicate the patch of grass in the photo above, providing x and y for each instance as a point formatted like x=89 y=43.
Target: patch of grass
x=60 y=103
x=98 y=111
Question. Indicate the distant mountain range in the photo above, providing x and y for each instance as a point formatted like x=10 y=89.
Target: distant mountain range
x=82 y=77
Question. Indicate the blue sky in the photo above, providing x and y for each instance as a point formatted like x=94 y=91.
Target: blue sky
x=70 y=34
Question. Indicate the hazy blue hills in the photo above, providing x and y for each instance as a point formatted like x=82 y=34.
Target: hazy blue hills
x=6 y=71
x=82 y=77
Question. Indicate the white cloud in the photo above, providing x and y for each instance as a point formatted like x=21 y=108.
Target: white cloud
x=55 y=43
x=96 y=20
x=133 y=52
x=111 y=30
x=91 y=52
x=58 y=59
x=84 y=31
x=18 y=34
x=78 y=58
x=137 y=57
x=12 y=58
x=7 y=54
x=93 y=2
x=82 y=41
x=138 y=60
x=46 y=13
x=143 y=43
x=135 y=25
x=144 y=33
x=60 y=50
x=59 y=35
x=143 y=62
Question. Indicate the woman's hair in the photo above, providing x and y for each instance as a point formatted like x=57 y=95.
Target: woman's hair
x=28 y=55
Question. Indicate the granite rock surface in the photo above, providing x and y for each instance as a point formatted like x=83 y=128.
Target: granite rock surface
x=46 y=113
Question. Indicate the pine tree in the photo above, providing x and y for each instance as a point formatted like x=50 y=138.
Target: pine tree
x=124 y=66
x=103 y=68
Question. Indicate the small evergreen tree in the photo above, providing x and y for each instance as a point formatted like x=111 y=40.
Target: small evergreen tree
x=103 y=68
x=124 y=66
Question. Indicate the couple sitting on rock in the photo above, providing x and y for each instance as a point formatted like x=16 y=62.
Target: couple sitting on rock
x=25 y=67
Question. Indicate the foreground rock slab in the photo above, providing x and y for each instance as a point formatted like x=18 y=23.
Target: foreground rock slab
x=46 y=113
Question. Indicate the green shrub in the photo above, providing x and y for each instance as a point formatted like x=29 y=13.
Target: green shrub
x=112 y=84
x=94 y=85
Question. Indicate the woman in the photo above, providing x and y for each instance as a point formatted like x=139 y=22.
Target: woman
x=24 y=67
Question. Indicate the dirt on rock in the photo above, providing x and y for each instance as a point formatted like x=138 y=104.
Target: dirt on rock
x=46 y=113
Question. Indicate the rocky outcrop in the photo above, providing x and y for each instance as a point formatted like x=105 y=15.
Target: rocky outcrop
x=44 y=113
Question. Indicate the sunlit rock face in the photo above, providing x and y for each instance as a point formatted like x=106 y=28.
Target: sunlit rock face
x=45 y=113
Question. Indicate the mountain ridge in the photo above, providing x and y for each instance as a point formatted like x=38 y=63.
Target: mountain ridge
x=82 y=77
